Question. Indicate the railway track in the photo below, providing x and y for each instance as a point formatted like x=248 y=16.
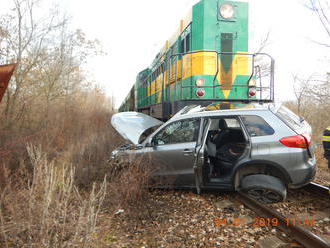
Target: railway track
x=318 y=189
x=300 y=234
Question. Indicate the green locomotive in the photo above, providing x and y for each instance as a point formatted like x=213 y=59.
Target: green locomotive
x=205 y=62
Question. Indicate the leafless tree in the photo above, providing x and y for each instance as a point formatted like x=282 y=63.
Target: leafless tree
x=301 y=91
x=262 y=65
x=49 y=56
x=316 y=88
x=263 y=42
x=321 y=8
x=313 y=101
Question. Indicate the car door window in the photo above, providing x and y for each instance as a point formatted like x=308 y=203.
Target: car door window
x=178 y=132
x=257 y=126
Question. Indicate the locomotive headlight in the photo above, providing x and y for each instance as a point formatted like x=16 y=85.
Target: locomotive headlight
x=227 y=11
x=200 y=82
x=252 y=82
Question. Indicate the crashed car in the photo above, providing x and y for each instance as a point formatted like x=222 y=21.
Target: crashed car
x=261 y=150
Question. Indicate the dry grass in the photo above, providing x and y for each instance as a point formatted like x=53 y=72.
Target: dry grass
x=131 y=183
x=49 y=210
x=55 y=176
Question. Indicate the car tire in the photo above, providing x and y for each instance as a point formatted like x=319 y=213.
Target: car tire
x=263 y=188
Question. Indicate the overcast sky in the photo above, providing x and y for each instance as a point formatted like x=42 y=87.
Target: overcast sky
x=132 y=32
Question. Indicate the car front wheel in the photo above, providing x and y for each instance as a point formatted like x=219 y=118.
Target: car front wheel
x=264 y=188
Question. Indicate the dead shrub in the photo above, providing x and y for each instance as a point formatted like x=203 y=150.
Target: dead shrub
x=51 y=193
x=129 y=185
x=78 y=132
x=49 y=211
x=91 y=155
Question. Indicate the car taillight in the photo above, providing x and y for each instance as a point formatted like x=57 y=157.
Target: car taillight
x=298 y=141
x=200 y=92
x=308 y=138
x=252 y=92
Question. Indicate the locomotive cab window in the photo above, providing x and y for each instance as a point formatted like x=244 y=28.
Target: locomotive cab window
x=188 y=43
x=186 y=40
x=185 y=44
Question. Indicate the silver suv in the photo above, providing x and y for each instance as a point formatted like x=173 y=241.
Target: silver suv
x=261 y=150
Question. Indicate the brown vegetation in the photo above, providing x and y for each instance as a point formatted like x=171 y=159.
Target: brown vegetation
x=55 y=136
x=53 y=182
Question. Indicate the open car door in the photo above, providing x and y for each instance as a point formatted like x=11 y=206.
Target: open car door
x=199 y=154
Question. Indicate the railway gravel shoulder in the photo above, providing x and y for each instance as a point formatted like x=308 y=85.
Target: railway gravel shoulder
x=304 y=216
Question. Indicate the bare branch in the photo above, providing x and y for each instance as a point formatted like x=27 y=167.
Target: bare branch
x=322 y=11
x=264 y=42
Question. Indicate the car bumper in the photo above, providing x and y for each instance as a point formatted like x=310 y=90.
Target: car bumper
x=305 y=175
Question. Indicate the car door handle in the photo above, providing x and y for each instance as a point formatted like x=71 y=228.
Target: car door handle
x=187 y=152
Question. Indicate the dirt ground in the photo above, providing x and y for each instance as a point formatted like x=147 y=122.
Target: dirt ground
x=185 y=219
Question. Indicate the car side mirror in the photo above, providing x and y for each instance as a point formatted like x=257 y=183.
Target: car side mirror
x=148 y=144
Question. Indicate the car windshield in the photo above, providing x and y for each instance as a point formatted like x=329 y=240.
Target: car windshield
x=147 y=132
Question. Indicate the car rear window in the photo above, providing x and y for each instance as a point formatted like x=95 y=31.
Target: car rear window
x=257 y=126
x=290 y=118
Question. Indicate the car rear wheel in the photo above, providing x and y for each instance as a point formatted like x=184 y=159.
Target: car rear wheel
x=263 y=188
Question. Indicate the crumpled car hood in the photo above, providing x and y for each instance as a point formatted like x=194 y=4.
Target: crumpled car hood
x=130 y=125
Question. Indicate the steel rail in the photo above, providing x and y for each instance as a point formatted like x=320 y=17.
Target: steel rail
x=301 y=235
x=318 y=189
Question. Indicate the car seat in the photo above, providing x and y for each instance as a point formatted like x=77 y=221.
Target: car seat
x=223 y=136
